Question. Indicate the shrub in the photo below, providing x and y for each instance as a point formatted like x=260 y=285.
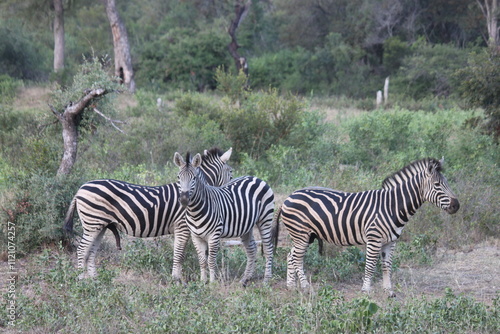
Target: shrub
x=428 y=70
x=479 y=84
x=21 y=55
x=262 y=120
x=37 y=207
x=183 y=58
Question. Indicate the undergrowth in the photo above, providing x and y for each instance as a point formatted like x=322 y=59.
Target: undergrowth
x=50 y=299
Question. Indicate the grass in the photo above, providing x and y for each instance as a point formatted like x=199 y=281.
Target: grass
x=134 y=293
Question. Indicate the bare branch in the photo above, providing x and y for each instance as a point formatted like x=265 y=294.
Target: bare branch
x=79 y=106
x=112 y=121
x=55 y=112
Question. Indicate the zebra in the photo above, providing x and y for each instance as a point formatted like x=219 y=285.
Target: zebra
x=231 y=210
x=139 y=211
x=374 y=218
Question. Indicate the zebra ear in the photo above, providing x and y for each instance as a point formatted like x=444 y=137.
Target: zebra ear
x=225 y=157
x=178 y=160
x=441 y=162
x=435 y=166
x=196 y=162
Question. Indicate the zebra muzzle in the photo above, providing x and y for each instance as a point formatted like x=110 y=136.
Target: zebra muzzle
x=454 y=206
x=184 y=199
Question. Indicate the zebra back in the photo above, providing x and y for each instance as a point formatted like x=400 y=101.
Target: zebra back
x=141 y=211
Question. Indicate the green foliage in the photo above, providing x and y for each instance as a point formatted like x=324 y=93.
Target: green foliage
x=451 y=312
x=428 y=70
x=395 y=51
x=392 y=139
x=183 y=58
x=21 y=55
x=49 y=298
x=331 y=69
x=261 y=120
x=91 y=75
x=420 y=250
x=479 y=84
x=234 y=87
x=37 y=206
x=8 y=88
x=338 y=264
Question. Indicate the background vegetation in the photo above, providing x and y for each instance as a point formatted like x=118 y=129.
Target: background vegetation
x=305 y=116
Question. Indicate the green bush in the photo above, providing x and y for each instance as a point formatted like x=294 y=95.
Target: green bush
x=183 y=58
x=21 y=55
x=8 y=89
x=332 y=69
x=394 y=52
x=391 y=139
x=263 y=119
x=428 y=70
x=37 y=207
x=479 y=83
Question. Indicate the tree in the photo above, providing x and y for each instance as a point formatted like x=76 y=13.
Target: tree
x=479 y=84
x=489 y=8
x=89 y=88
x=123 y=60
x=58 y=36
x=241 y=11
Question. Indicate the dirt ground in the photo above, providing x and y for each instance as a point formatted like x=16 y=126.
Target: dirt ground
x=474 y=273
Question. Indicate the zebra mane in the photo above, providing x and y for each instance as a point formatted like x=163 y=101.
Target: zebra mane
x=188 y=158
x=411 y=170
x=214 y=151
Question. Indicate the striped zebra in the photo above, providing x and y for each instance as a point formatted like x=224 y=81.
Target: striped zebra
x=139 y=211
x=374 y=218
x=231 y=210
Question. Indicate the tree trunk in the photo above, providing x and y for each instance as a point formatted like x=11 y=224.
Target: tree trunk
x=69 y=120
x=490 y=12
x=70 y=139
x=123 y=60
x=241 y=11
x=58 y=36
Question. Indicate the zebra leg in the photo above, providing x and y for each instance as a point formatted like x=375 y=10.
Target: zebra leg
x=213 y=249
x=297 y=261
x=372 y=253
x=291 y=271
x=267 y=242
x=91 y=268
x=386 y=254
x=251 y=250
x=201 y=248
x=86 y=251
x=181 y=238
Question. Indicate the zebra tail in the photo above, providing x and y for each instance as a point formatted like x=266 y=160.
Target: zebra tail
x=68 y=221
x=276 y=230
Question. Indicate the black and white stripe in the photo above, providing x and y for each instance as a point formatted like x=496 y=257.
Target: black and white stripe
x=138 y=211
x=374 y=218
x=231 y=210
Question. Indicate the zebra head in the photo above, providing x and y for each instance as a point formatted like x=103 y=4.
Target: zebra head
x=188 y=172
x=435 y=188
x=217 y=171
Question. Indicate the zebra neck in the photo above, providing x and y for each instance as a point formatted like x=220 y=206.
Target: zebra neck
x=200 y=200
x=407 y=199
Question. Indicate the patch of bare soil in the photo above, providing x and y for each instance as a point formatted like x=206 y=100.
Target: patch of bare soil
x=473 y=273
